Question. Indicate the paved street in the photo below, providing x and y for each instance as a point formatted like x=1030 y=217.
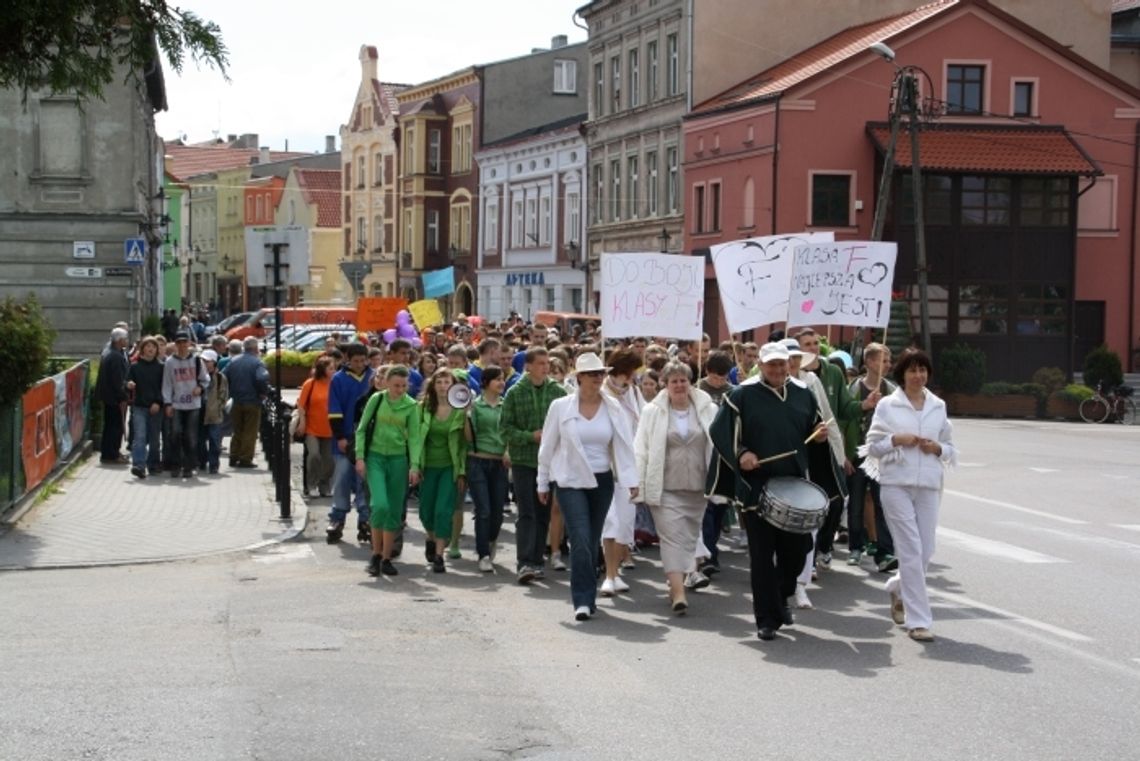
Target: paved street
x=292 y=652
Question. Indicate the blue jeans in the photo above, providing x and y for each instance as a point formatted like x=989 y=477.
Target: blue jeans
x=347 y=488
x=711 y=528
x=584 y=511
x=487 y=480
x=145 y=430
x=185 y=432
x=213 y=445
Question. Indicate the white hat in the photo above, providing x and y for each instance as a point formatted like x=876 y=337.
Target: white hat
x=589 y=362
x=773 y=351
x=209 y=355
x=794 y=350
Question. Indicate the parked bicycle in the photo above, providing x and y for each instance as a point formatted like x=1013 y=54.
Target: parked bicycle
x=1113 y=405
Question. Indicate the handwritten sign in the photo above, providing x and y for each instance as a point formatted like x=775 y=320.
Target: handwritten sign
x=378 y=313
x=426 y=313
x=753 y=275
x=843 y=283
x=652 y=294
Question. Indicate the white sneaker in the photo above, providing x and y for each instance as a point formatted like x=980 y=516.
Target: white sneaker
x=485 y=564
x=620 y=585
x=696 y=580
x=556 y=562
x=608 y=589
x=803 y=602
x=628 y=563
x=582 y=613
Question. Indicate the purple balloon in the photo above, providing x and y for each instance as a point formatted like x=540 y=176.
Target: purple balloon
x=403 y=318
x=389 y=335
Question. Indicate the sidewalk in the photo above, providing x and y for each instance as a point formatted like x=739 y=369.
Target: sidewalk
x=105 y=516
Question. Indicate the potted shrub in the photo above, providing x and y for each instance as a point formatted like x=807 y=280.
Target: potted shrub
x=1065 y=403
x=295 y=366
x=960 y=373
x=1002 y=399
x=1103 y=365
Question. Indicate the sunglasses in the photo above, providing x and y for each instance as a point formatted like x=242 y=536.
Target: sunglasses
x=593 y=373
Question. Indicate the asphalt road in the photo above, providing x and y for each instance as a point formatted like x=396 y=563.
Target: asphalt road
x=294 y=653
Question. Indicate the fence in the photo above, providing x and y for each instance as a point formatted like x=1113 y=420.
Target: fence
x=39 y=433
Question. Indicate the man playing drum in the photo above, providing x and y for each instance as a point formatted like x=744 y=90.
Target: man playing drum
x=760 y=433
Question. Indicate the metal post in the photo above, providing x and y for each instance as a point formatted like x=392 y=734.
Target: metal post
x=281 y=434
x=919 y=220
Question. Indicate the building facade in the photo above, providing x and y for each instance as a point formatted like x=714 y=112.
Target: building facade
x=1029 y=192
x=312 y=198
x=638 y=84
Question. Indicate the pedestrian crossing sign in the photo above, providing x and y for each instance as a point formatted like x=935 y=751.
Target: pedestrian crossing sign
x=134 y=250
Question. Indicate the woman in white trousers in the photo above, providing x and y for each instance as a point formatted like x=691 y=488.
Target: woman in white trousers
x=617 y=532
x=908 y=447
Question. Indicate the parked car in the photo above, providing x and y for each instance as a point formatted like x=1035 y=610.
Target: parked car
x=227 y=323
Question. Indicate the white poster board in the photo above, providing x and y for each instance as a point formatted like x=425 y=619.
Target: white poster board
x=259 y=255
x=842 y=283
x=652 y=294
x=753 y=275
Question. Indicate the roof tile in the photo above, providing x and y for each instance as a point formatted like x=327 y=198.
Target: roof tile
x=322 y=187
x=1028 y=150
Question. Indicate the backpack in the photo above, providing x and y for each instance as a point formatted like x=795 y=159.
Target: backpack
x=369 y=426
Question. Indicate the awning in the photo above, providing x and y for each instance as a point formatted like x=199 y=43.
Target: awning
x=1047 y=150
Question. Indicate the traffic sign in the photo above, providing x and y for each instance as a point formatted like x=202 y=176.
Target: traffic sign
x=83 y=249
x=134 y=250
x=84 y=271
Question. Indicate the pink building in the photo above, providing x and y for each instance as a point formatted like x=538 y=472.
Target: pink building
x=1029 y=171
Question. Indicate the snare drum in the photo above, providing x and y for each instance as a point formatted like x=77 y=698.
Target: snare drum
x=793 y=504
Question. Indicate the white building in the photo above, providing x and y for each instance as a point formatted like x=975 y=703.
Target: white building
x=532 y=222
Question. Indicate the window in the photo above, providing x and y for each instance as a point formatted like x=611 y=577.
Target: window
x=673 y=85
x=360 y=172
x=516 y=221
x=1044 y=202
x=544 y=221
x=599 y=90
x=548 y=294
x=361 y=234
x=633 y=188
x=378 y=171
x=576 y=300
x=432 y=242
x=409 y=150
x=491 y=228
x=936 y=203
x=461 y=148
x=634 y=95
x=965 y=89
x=615 y=77
x=830 y=200
x=573 y=216
x=985 y=201
x=460 y=234
x=409 y=239
x=748 y=202
x=377 y=234
x=615 y=190
x=714 y=206
x=698 y=209
x=434 y=143
x=531 y=221
x=651 y=182
x=672 y=201
x=1023 y=100
x=1042 y=310
x=260 y=209
x=651 y=62
x=599 y=193
x=565 y=77
x=983 y=309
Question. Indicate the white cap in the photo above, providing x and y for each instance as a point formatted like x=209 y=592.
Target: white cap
x=210 y=355
x=794 y=350
x=773 y=351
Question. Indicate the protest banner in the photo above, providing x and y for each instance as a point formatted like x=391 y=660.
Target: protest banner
x=842 y=283
x=426 y=313
x=652 y=294
x=378 y=312
x=753 y=275
x=439 y=282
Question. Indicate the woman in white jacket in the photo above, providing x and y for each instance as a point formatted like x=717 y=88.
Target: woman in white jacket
x=673 y=451
x=908 y=446
x=586 y=446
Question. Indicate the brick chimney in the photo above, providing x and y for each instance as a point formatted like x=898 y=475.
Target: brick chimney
x=558 y=41
x=330 y=143
x=368 y=56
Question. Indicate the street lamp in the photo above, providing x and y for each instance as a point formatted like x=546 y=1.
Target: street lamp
x=664 y=238
x=904 y=99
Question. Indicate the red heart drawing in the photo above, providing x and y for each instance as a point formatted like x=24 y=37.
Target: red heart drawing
x=807 y=305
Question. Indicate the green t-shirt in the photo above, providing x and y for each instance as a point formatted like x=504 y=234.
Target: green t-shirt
x=437 y=453
x=485 y=427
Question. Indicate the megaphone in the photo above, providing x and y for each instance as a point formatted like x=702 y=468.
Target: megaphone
x=459 y=395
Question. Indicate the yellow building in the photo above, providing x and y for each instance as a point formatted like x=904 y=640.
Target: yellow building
x=312 y=199
x=226 y=265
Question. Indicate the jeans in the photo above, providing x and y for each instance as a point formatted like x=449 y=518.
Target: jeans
x=146 y=427
x=533 y=522
x=711 y=528
x=858 y=484
x=112 y=439
x=185 y=432
x=213 y=446
x=584 y=511
x=487 y=480
x=347 y=488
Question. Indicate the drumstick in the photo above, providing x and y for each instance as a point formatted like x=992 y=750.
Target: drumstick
x=829 y=421
x=780 y=456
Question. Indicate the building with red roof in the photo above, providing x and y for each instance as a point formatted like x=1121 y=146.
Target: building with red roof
x=1028 y=155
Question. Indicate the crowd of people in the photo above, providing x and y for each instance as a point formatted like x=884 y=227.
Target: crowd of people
x=601 y=448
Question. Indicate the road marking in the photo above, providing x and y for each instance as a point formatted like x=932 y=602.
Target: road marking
x=1071 y=536
x=1115 y=476
x=1129 y=526
x=284 y=553
x=967 y=602
x=982 y=546
x=971 y=465
x=1044 y=470
x=1018 y=508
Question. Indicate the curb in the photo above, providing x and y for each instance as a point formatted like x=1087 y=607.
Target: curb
x=296 y=527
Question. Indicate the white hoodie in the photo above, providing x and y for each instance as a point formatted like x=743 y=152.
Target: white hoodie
x=908 y=466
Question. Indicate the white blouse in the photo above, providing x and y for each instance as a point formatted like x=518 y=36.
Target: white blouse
x=595 y=435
